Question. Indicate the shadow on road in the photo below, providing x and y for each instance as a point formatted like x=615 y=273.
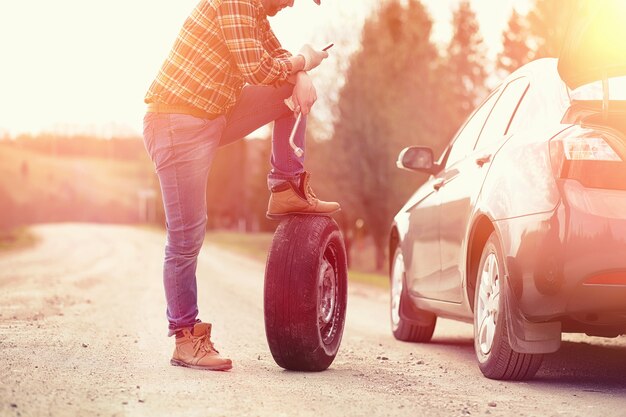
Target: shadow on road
x=581 y=365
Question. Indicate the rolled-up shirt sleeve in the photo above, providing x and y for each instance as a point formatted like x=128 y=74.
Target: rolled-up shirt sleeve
x=238 y=21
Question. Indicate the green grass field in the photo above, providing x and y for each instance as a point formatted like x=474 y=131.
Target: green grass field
x=36 y=187
x=103 y=179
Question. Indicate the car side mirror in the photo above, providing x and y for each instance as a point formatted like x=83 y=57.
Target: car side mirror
x=417 y=158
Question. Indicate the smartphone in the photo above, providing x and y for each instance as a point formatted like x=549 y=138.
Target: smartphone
x=327 y=47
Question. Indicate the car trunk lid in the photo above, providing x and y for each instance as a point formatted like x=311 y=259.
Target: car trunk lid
x=594 y=47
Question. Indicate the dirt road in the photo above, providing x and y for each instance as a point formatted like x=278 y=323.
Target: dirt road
x=82 y=332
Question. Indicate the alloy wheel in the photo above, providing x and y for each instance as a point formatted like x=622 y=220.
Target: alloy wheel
x=488 y=305
x=328 y=293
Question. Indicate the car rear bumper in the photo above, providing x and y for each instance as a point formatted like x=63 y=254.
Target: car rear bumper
x=570 y=262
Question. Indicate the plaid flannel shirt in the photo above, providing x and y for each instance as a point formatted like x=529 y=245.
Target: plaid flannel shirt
x=223 y=45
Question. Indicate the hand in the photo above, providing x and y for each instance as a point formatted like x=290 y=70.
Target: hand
x=312 y=57
x=304 y=94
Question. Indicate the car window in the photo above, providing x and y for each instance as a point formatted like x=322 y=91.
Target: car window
x=504 y=110
x=545 y=101
x=531 y=112
x=466 y=138
x=594 y=90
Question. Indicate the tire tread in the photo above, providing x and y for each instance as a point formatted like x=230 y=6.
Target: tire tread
x=411 y=332
x=290 y=295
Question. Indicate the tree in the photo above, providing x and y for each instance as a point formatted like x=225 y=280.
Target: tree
x=515 y=50
x=465 y=65
x=389 y=101
x=547 y=22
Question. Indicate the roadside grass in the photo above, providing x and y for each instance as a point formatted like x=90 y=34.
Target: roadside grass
x=370 y=278
x=18 y=238
x=256 y=246
x=251 y=245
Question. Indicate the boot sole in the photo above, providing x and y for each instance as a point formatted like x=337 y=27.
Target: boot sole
x=175 y=362
x=298 y=213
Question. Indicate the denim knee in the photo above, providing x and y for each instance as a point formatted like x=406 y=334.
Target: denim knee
x=187 y=242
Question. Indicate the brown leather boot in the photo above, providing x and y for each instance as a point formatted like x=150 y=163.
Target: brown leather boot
x=195 y=350
x=289 y=198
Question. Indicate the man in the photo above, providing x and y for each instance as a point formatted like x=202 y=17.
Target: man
x=226 y=76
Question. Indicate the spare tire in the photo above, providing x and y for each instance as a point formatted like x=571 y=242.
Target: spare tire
x=305 y=293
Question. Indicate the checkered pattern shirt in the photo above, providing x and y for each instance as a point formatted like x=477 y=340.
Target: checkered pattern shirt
x=223 y=45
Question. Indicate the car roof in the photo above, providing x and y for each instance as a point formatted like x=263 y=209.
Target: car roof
x=540 y=70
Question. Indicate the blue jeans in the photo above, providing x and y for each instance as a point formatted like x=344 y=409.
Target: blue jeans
x=182 y=148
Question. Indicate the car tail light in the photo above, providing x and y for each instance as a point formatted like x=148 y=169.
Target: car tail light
x=592 y=157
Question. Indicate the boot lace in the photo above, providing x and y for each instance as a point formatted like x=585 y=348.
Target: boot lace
x=309 y=192
x=202 y=343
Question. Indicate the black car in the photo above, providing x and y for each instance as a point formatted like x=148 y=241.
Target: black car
x=521 y=227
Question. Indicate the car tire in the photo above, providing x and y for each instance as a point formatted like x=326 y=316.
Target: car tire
x=496 y=358
x=408 y=323
x=305 y=293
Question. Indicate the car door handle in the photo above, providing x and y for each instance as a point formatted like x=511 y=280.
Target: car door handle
x=438 y=184
x=483 y=160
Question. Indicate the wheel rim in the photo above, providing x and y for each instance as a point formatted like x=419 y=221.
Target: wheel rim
x=328 y=296
x=488 y=306
x=397 y=278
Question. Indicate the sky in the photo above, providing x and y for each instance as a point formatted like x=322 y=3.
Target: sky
x=83 y=66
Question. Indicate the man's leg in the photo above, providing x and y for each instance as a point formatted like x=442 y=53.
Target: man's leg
x=182 y=148
x=256 y=107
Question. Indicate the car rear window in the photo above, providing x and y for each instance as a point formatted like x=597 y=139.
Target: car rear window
x=593 y=91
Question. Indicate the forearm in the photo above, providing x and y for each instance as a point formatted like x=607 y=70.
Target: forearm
x=297 y=63
x=297 y=66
